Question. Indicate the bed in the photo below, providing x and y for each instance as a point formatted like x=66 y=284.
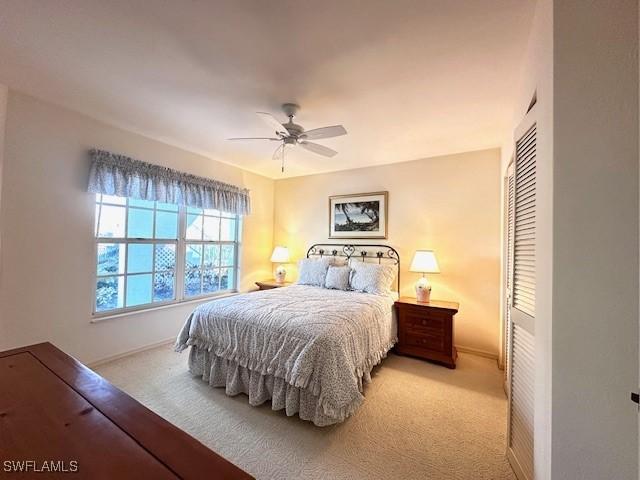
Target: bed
x=307 y=349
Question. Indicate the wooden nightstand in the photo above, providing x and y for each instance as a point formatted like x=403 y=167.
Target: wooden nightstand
x=269 y=284
x=425 y=330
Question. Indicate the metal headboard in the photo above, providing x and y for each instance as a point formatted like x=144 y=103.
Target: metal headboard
x=361 y=251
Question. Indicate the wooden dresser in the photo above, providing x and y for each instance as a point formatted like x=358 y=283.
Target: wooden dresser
x=55 y=413
x=425 y=330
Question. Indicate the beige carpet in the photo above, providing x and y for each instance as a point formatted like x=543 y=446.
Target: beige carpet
x=419 y=421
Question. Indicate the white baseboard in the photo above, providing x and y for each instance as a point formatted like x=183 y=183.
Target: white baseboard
x=475 y=351
x=102 y=361
x=111 y=358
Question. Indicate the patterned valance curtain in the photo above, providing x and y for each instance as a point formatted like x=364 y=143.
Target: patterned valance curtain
x=113 y=174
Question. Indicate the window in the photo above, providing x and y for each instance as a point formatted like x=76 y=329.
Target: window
x=150 y=253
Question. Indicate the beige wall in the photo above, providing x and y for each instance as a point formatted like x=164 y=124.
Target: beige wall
x=44 y=209
x=47 y=235
x=4 y=95
x=450 y=204
x=595 y=245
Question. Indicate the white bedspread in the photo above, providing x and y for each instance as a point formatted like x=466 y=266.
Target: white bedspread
x=324 y=341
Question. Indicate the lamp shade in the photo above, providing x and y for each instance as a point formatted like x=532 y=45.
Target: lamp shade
x=280 y=255
x=424 y=261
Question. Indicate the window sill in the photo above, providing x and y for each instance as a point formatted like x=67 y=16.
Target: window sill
x=100 y=318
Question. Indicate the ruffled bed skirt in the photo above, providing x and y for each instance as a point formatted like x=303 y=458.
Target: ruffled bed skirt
x=219 y=372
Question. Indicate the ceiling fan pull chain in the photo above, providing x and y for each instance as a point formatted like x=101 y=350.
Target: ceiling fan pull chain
x=283 y=149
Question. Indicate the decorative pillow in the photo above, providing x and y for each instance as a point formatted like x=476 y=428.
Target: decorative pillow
x=372 y=277
x=338 y=277
x=312 y=271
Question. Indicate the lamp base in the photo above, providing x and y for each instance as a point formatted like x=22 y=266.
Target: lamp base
x=280 y=274
x=423 y=290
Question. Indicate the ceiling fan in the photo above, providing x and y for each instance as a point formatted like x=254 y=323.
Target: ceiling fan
x=293 y=134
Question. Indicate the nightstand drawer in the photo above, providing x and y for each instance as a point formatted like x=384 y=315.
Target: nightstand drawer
x=425 y=340
x=419 y=321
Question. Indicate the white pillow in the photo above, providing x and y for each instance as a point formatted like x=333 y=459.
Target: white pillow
x=337 y=277
x=312 y=272
x=372 y=277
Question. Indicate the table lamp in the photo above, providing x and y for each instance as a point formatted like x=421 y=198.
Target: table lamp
x=280 y=255
x=424 y=261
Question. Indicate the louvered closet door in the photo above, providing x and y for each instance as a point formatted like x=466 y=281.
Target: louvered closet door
x=522 y=301
x=509 y=201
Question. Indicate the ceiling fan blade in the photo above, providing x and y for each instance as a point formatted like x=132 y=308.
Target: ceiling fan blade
x=273 y=123
x=253 y=138
x=317 y=148
x=324 y=132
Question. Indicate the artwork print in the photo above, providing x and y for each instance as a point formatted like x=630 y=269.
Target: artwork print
x=358 y=216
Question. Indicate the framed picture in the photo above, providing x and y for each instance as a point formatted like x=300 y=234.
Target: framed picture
x=362 y=215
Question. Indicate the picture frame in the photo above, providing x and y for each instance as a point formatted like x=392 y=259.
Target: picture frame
x=358 y=215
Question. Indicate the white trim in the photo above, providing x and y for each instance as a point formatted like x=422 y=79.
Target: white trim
x=460 y=348
x=161 y=307
x=118 y=356
x=475 y=351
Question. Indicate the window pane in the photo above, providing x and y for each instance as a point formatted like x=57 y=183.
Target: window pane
x=197 y=211
x=211 y=228
x=111 y=221
x=114 y=199
x=211 y=256
x=165 y=257
x=140 y=258
x=138 y=289
x=194 y=227
x=228 y=229
x=227 y=256
x=192 y=283
x=166 y=225
x=134 y=202
x=227 y=278
x=110 y=258
x=172 y=207
x=215 y=213
x=194 y=255
x=140 y=223
x=109 y=293
x=210 y=280
x=163 y=286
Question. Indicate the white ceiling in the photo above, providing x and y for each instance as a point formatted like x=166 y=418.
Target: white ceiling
x=408 y=79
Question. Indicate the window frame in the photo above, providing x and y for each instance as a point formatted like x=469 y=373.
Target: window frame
x=180 y=261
